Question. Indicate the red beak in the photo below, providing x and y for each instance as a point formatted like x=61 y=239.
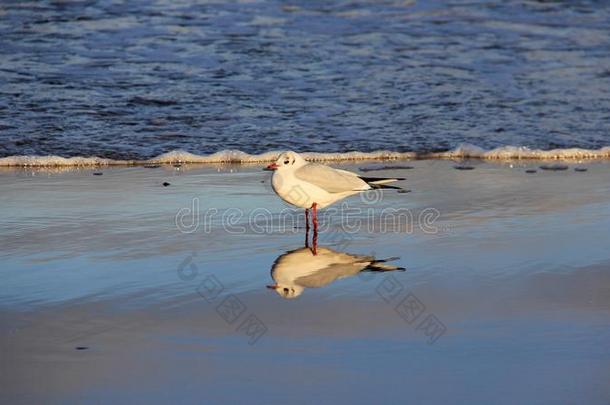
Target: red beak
x=273 y=287
x=272 y=166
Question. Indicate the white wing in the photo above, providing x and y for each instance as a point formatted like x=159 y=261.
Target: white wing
x=329 y=274
x=303 y=268
x=329 y=179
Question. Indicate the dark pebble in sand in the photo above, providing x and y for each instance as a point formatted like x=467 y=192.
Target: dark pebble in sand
x=531 y=171
x=81 y=348
x=262 y=181
x=580 y=169
x=165 y=184
x=98 y=174
x=372 y=169
x=151 y=166
x=403 y=191
x=463 y=167
x=554 y=168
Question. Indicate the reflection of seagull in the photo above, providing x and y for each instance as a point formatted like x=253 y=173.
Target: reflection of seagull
x=299 y=269
x=313 y=185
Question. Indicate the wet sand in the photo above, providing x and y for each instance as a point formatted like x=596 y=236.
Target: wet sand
x=505 y=297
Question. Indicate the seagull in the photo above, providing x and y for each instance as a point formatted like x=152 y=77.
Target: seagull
x=298 y=269
x=313 y=185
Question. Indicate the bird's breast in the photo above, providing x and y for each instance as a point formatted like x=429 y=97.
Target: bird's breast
x=292 y=190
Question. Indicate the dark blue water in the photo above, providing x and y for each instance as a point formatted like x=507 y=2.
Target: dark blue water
x=139 y=78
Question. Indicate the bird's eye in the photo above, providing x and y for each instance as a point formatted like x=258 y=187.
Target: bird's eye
x=286 y=162
x=286 y=290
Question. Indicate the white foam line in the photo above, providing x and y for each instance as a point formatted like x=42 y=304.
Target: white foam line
x=236 y=156
x=520 y=152
x=36 y=161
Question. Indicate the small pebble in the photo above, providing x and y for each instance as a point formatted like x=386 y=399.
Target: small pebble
x=554 y=168
x=580 y=169
x=463 y=167
x=151 y=166
x=81 y=348
x=403 y=191
x=98 y=173
x=177 y=165
x=165 y=184
x=531 y=171
x=262 y=181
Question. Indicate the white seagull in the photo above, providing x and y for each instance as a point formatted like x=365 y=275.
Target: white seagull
x=313 y=185
x=298 y=269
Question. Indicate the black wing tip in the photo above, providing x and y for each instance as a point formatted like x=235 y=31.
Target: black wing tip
x=368 y=179
x=371 y=268
x=378 y=186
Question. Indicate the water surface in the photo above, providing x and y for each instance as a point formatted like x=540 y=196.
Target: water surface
x=137 y=79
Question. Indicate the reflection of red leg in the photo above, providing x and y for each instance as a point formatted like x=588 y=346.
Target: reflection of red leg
x=306 y=228
x=314 y=241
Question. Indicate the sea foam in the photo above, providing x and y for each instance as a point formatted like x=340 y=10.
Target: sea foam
x=239 y=157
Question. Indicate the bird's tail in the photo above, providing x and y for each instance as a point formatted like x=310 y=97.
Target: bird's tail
x=380 y=182
x=380 y=265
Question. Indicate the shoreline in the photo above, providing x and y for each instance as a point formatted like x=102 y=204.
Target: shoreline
x=464 y=152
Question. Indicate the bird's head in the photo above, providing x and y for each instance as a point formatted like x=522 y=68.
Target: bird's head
x=287 y=291
x=287 y=160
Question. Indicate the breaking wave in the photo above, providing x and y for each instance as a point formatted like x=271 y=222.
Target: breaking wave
x=236 y=156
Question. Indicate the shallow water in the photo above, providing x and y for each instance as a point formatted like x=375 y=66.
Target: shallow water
x=120 y=224
x=515 y=268
x=106 y=292
x=136 y=79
